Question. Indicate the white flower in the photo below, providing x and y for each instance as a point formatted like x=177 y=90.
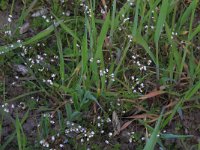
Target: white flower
x=53 y=138
x=110 y=134
x=106 y=141
x=9 y=19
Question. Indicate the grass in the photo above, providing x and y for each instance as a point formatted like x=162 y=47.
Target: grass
x=86 y=60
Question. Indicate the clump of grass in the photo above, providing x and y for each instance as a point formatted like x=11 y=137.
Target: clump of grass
x=89 y=58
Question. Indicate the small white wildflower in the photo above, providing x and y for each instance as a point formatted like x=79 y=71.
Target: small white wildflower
x=61 y=145
x=132 y=77
x=142 y=84
x=125 y=19
x=44 y=16
x=145 y=68
x=112 y=75
x=91 y=59
x=98 y=61
x=106 y=141
x=42 y=141
x=68 y=13
x=9 y=19
x=53 y=138
x=12 y=106
x=50 y=82
x=13 y=83
x=101 y=73
x=82 y=140
x=152 y=27
x=52 y=122
x=53 y=75
x=110 y=134
x=134 y=57
x=149 y=62
x=113 y=79
x=6 y=110
x=108 y=120
x=143 y=138
x=102 y=131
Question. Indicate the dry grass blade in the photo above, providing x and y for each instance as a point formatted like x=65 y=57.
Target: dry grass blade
x=143 y=116
x=152 y=94
x=125 y=125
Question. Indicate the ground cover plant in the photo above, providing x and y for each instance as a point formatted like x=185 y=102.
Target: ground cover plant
x=89 y=74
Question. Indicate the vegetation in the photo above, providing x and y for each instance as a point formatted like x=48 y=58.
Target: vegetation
x=100 y=74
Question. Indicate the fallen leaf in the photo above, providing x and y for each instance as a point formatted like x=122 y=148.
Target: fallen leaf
x=24 y=28
x=40 y=12
x=20 y=69
x=115 y=123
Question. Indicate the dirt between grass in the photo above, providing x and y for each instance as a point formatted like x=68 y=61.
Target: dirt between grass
x=188 y=125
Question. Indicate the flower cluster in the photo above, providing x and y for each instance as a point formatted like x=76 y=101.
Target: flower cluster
x=9 y=108
x=87 y=10
x=10 y=18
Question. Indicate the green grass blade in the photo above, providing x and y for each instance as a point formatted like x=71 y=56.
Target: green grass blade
x=187 y=13
x=161 y=20
x=159 y=27
x=62 y=63
x=194 y=33
x=36 y=38
x=20 y=135
x=66 y=28
x=154 y=138
x=123 y=11
x=41 y=35
x=99 y=51
x=192 y=91
x=135 y=23
x=84 y=54
x=113 y=19
x=8 y=141
x=173 y=136
x=139 y=40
